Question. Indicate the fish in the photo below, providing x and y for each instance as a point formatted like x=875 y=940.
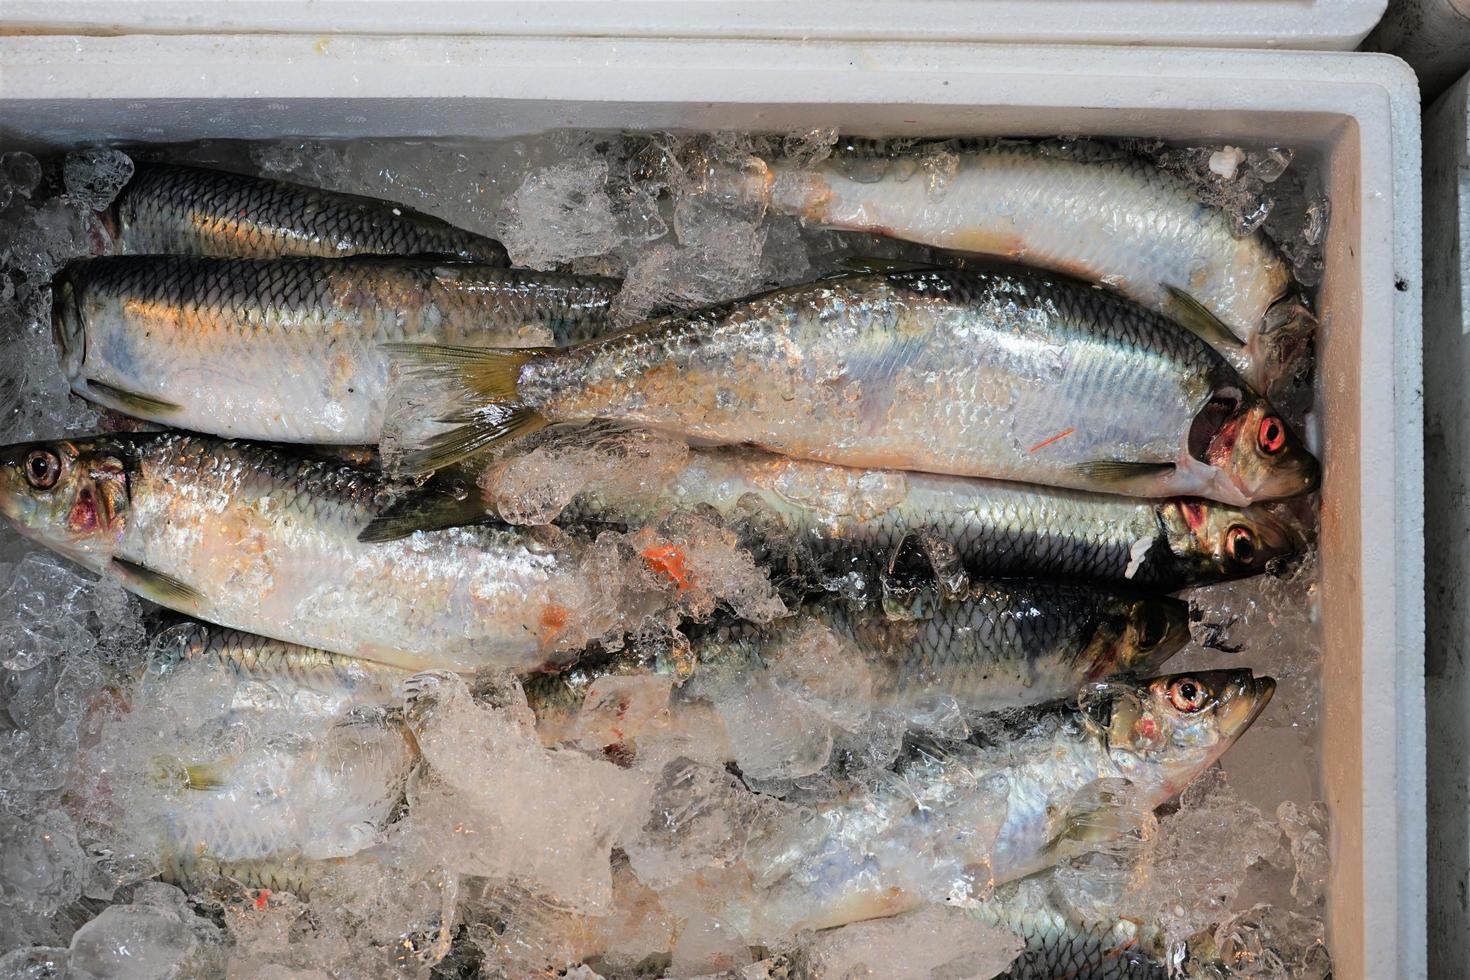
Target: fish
x=181 y=210
x=1062 y=943
x=269 y=673
x=954 y=821
x=999 y=645
x=1006 y=375
x=289 y=350
x=1083 y=209
x=848 y=518
x=254 y=537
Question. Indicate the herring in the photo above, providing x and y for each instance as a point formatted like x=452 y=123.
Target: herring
x=1006 y=375
x=255 y=537
x=288 y=350
x=996 y=528
x=1083 y=209
x=181 y=210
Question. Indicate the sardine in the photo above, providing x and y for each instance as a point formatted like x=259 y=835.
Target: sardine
x=1010 y=376
x=289 y=350
x=178 y=210
x=256 y=538
x=1106 y=217
x=1001 y=645
x=997 y=529
x=954 y=822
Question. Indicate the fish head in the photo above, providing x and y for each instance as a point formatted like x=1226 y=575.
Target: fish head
x=1211 y=541
x=1163 y=732
x=1254 y=453
x=68 y=324
x=71 y=497
x=1282 y=350
x=1138 y=635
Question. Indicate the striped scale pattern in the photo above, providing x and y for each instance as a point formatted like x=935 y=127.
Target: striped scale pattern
x=194 y=211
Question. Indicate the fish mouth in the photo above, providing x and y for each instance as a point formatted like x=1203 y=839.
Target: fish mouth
x=1241 y=697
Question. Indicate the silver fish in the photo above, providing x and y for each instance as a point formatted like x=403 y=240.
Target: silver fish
x=288 y=350
x=1089 y=211
x=954 y=822
x=843 y=515
x=256 y=538
x=179 y=210
x=1010 y=376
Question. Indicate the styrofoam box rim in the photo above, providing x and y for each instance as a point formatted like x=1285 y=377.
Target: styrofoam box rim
x=1363 y=111
x=1301 y=24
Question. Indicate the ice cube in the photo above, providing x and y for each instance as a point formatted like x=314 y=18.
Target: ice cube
x=1270 y=942
x=558 y=827
x=34 y=963
x=708 y=945
x=1191 y=870
x=933 y=943
x=41 y=864
x=1307 y=832
x=156 y=937
x=699 y=817
x=560 y=213
x=22 y=170
x=94 y=176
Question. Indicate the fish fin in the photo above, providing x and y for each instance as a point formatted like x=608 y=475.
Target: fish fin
x=202 y=776
x=425 y=509
x=1118 y=472
x=132 y=402
x=476 y=393
x=479 y=431
x=489 y=372
x=869 y=263
x=162 y=589
x=1191 y=314
x=1102 y=812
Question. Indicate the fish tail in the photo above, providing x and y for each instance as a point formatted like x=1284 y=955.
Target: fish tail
x=473 y=390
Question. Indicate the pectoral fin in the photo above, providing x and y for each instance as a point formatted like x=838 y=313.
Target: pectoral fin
x=145 y=406
x=162 y=589
x=1116 y=474
x=1190 y=314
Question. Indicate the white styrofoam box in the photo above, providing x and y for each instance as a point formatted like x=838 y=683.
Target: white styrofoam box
x=1431 y=35
x=1447 y=520
x=1301 y=24
x=1360 y=112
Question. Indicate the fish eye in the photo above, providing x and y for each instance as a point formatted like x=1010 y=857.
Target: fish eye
x=1240 y=544
x=42 y=468
x=1272 y=436
x=1151 y=626
x=1187 y=695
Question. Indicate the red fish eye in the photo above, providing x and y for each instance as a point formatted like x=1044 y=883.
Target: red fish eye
x=1272 y=437
x=1187 y=695
x=1242 y=544
x=42 y=468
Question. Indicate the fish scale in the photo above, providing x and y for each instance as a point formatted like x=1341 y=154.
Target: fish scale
x=195 y=211
x=291 y=349
x=999 y=645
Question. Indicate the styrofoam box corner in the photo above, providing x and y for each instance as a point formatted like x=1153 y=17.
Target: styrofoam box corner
x=1360 y=112
x=1298 y=24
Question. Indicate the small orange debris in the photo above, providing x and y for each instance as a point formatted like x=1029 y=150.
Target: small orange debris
x=554 y=619
x=1056 y=438
x=668 y=560
x=262 y=897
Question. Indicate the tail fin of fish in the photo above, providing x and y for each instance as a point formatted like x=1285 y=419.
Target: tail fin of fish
x=470 y=390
